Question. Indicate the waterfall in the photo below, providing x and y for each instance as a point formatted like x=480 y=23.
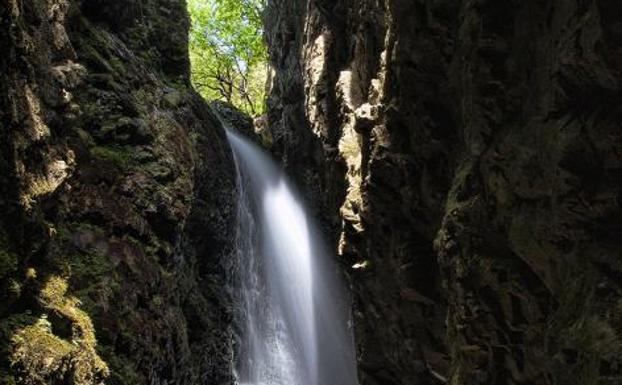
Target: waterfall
x=294 y=326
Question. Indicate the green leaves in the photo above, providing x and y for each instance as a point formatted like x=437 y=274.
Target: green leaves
x=228 y=53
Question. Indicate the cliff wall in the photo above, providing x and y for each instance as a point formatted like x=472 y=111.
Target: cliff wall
x=466 y=159
x=117 y=199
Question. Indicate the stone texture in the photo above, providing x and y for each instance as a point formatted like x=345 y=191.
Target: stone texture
x=117 y=199
x=465 y=158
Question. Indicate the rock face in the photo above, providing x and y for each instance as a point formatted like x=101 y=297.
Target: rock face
x=466 y=157
x=117 y=201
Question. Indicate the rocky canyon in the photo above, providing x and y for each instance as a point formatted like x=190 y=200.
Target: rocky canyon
x=462 y=159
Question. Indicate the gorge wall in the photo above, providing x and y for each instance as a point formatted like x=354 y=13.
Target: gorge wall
x=117 y=199
x=466 y=157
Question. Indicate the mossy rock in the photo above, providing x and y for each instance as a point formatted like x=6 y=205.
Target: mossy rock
x=39 y=355
x=8 y=258
x=119 y=156
x=7 y=329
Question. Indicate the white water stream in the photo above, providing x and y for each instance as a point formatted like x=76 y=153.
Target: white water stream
x=294 y=329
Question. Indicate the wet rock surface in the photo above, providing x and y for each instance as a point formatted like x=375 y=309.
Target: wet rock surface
x=465 y=158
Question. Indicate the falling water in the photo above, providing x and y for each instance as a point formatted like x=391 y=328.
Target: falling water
x=295 y=319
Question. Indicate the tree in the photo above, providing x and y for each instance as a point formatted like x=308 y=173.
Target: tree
x=227 y=52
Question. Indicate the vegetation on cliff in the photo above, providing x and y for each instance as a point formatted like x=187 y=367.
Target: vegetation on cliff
x=105 y=246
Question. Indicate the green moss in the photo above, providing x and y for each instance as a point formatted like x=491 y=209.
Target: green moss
x=7 y=379
x=53 y=292
x=143 y=100
x=122 y=371
x=157 y=301
x=8 y=259
x=10 y=288
x=85 y=263
x=174 y=99
x=579 y=327
x=37 y=353
x=117 y=64
x=97 y=60
x=94 y=272
x=90 y=273
x=120 y=156
x=8 y=326
x=90 y=265
x=38 y=356
x=164 y=125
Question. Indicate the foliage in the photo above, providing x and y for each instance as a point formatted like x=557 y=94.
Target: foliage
x=227 y=52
